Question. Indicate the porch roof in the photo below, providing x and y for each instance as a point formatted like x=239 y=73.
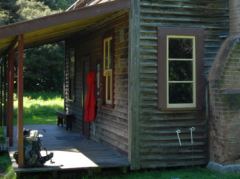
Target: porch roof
x=58 y=26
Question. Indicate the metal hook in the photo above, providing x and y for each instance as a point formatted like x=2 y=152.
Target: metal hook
x=191 y=133
x=179 y=140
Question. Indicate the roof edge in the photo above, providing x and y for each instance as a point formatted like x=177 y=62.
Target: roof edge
x=61 y=18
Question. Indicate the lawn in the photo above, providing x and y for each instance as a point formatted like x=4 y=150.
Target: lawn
x=40 y=107
x=187 y=173
x=6 y=166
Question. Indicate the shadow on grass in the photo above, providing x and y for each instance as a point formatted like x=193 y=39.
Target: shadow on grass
x=38 y=114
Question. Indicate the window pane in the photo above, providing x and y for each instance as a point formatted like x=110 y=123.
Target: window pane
x=110 y=54
x=109 y=88
x=105 y=55
x=180 y=93
x=180 y=48
x=180 y=70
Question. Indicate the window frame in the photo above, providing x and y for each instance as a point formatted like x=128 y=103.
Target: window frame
x=108 y=72
x=164 y=34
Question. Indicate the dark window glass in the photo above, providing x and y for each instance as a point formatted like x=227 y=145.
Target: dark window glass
x=110 y=54
x=106 y=55
x=180 y=48
x=180 y=93
x=109 y=88
x=180 y=71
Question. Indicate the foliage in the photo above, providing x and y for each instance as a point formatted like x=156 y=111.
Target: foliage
x=6 y=166
x=8 y=12
x=44 y=68
x=58 y=4
x=40 y=107
x=31 y=9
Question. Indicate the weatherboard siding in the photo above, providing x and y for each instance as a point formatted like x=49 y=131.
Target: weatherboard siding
x=158 y=144
x=111 y=125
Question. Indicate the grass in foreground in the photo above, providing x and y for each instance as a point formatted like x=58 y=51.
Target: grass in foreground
x=40 y=107
x=6 y=166
x=189 y=173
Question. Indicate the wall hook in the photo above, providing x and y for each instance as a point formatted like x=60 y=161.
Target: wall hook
x=179 y=140
x=191 y=133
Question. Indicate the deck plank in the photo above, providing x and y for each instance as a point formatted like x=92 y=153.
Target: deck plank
x=72 y=151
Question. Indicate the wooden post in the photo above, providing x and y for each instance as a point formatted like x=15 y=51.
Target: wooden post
x=10 y=96
x=20 y=101
x=1 y=84
x=5 y=92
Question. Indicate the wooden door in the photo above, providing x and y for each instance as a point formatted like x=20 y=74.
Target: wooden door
x=85 y=70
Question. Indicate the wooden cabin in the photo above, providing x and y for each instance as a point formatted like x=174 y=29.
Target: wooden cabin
x=150 y=95
x=151 y=59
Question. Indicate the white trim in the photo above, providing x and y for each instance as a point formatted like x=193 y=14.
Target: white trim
x=107 y=69
x=107 y=93
x=193 y=59
x=106 y=57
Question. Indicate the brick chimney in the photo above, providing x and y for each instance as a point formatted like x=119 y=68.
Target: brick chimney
x=224 y=89
x=234 y=13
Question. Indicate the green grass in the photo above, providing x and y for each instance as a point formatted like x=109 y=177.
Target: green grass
x=2 y=136
x=6 y=166
x=191 y=173
x=40 y=107
x=1 y=131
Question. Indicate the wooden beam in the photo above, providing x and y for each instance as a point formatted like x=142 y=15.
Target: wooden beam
x=1 y=101
x=5 y=92
x=63 y=18
x=1 y=93
x=10 y=96
x=11 y=46
x=20 y=101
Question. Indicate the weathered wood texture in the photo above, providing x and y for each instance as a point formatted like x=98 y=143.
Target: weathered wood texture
x=71 y=151
x=20 y=100
x=158 y=146
x=234 y=13
x=111 y=125
x=11 y=56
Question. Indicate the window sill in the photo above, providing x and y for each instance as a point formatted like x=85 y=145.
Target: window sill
x=107 y=106
x=179 y=110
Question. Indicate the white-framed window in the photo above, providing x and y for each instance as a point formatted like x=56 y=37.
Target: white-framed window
x=180 y=68
x=181 y=71
x=108 y=70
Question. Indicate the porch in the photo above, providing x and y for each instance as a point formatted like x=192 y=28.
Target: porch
x=72 y=151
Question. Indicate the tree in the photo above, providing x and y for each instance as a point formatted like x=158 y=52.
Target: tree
x=8 y=12
x=31 y=9
x=43 y=68
x=58 y=4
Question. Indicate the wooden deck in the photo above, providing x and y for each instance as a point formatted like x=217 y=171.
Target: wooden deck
x=72 y=151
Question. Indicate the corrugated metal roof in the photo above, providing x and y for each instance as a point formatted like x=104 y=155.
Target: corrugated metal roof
x=85 y=3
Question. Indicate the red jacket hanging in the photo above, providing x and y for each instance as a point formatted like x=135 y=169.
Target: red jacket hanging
x=90 y=98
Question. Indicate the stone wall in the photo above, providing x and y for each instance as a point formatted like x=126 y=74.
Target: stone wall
x=224 y=85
